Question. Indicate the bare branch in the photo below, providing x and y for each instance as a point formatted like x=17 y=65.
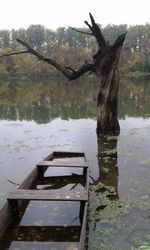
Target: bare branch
x=98 y=34
x=119 y=41
x=30 y=49
x=80 y=31
x=67 y=67
x=12 y=182
x=95 y=31
x=90 y=27
x=15 y=53
x=68 y=72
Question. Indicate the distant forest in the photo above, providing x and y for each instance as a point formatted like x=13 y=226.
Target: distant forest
x=71 y=48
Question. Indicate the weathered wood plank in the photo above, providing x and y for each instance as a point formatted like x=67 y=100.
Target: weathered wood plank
x=49 y=195
x=83 y=228
x=5 y=218
x=63 y=154
x=30 y=180
x=53 y=164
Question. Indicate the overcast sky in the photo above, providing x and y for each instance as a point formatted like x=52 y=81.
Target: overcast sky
x=56 y=13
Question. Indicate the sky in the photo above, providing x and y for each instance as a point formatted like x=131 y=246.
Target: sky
x=60 y=13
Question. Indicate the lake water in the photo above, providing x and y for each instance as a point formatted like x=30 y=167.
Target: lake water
x=38 y=117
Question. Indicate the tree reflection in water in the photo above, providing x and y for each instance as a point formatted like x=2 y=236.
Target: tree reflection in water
x=107 y=162
x=107 y=182
x=45 y=100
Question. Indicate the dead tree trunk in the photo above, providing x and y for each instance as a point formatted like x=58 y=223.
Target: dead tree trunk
x=108 y=79
x=105 y=65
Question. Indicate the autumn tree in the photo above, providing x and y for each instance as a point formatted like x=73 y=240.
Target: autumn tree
x=104 y=64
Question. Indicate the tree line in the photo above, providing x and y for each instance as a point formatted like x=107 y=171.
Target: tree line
x=71 y=48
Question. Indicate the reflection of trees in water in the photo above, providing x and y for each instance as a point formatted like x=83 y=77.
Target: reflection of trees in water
x=43 y=102
x=105 y=188
x=107 y=162
x=113 y=222
x=46 y=100
x=107 y=181
x=134 y=98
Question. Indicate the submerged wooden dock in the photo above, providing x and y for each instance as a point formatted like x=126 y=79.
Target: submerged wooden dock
x=52 y=189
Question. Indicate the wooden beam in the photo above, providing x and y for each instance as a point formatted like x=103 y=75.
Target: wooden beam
x=48 y=195
x=62 y=165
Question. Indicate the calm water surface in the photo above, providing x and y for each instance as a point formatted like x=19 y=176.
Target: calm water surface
x=37 y=118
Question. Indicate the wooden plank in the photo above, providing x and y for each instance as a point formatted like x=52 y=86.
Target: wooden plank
x=48 y=195
x=63 y=154
x=86 y=178
x=53 y=164
x=30 y=245
x=5 y=212
x=83 y=228
x=5 y=218
x=29 y=180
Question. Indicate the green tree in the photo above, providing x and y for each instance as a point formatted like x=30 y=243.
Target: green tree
x=4 y=38
x=36 y=36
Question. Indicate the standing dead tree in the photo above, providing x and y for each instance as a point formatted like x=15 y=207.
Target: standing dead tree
x=104 y=64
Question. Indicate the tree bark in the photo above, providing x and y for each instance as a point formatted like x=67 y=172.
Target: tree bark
x=108 y=78
x=107 y=104
x=105 y=65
